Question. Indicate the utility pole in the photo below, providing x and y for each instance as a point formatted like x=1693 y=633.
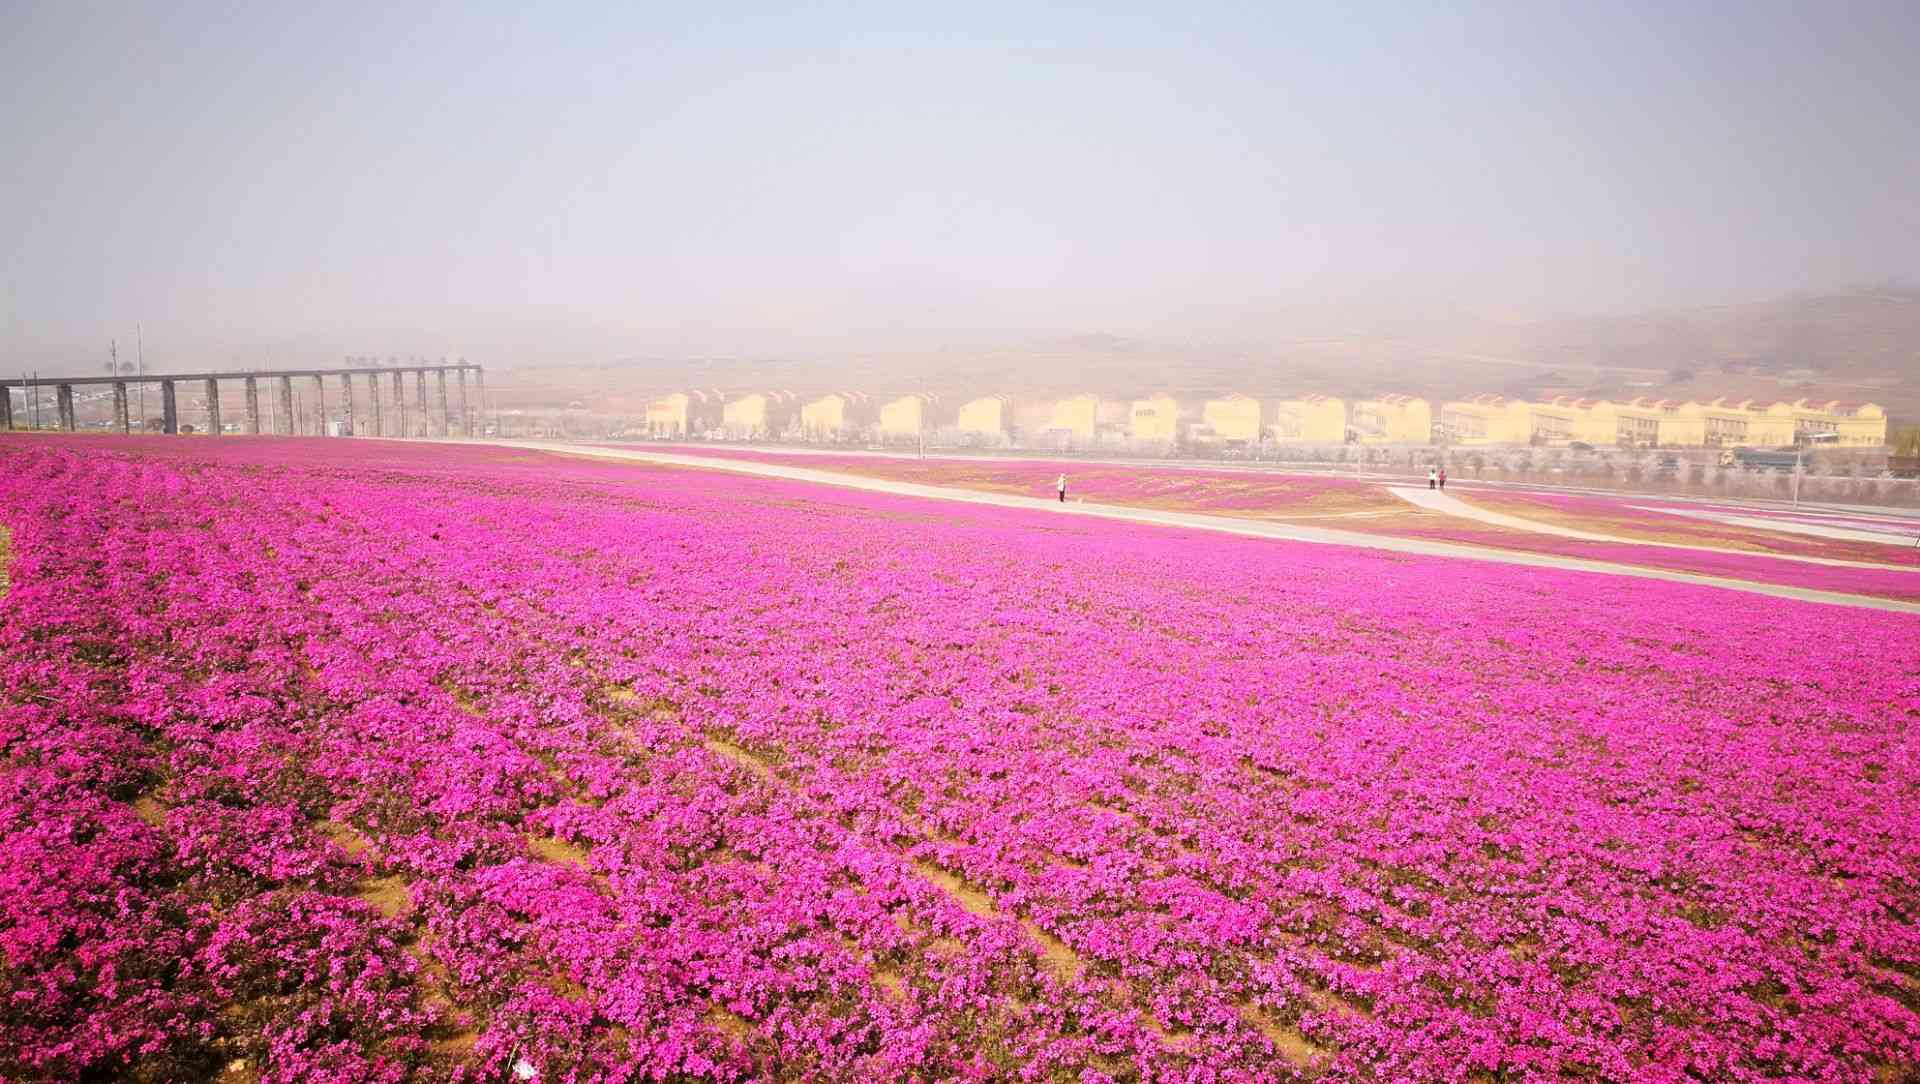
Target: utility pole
x=140 y=360
x=1797 y=453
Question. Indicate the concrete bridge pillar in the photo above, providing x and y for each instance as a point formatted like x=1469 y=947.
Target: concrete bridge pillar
x=6 y=407
x=319 y=406
x=286 y=406
x=253 y=405
x=373 y=397
x=213 y=407
x=169 y=408
x=466 y=414
x=63 y=399
x=399 y=405
x=446 y=416
x=120 y=407
x=420 y=396
x=346 y=404
x=480 y=393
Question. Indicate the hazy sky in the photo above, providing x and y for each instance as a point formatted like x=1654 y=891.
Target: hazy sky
x=318 y=179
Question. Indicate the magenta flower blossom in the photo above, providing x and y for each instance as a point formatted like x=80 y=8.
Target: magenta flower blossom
x=356 y=760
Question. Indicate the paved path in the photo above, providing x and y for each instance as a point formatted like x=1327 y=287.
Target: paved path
x=1889 y=537
x=1289 y=532
x=1296 y=467
x=1441 y=501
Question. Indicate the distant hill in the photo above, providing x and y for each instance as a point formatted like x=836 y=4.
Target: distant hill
x=1863 y=334
x=1852 y=344
x=1855 y=344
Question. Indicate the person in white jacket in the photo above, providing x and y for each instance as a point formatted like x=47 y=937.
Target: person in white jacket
x=1061 y=485
x=1433 y=477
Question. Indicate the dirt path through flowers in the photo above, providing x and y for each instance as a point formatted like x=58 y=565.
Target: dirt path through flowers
x=1448 y=504
x=1778 y=523
x=1291 y=532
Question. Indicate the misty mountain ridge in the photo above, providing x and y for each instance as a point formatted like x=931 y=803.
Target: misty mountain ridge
x=1858 y=343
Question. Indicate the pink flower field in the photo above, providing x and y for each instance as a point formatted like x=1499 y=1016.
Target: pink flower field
x=365 y=761
x=1891 y=583
x=1366 y=507
x=1251 y=494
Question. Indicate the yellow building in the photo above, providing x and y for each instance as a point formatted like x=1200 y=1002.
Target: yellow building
x=1834 y=422
x=1608 y=423
x=669 y=415
x=1564 y=419
x=1232 y=417
x=1638 y=423
x=745 y=417
x=986 y=418
x=904 y=417
x=1487 y=419
x=836 y=415
x=1772 y=426
x=1393 y=419
x=1746 y=423
x=1552 y=421
x=1074 y=419
x=825 y=416
x=1635 y=424
x=1682 y=424
x=1661 y=423
x=1155 y=418
x=1860 y=425
x=1727 y=422
x=1310 y=419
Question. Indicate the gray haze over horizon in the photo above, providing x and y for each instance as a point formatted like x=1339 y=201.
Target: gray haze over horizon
x=279 y=182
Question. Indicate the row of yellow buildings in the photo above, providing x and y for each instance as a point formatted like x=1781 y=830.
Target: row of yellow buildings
x=1234 y=419
x=1661 y=423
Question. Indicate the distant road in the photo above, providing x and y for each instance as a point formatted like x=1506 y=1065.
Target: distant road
x=1286 y=532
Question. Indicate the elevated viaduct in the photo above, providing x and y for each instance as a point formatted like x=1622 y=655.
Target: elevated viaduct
x=436 y=417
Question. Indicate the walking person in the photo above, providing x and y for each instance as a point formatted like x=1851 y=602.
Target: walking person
x=1443 y=478
x=1061 y=485
x=1433 y=478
